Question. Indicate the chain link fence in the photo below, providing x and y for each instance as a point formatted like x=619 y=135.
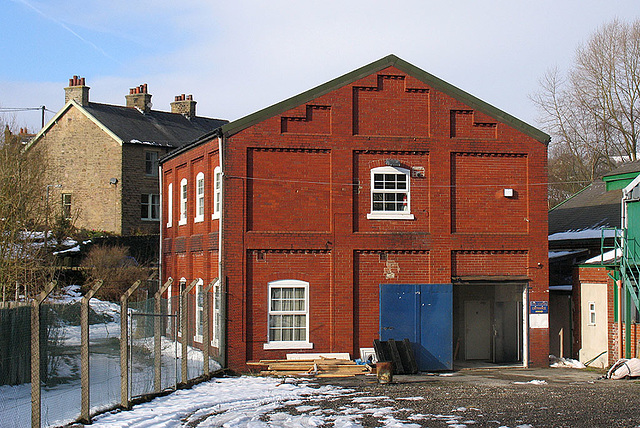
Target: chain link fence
x=92 y=355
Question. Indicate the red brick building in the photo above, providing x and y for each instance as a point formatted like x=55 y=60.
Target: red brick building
x=383 y=204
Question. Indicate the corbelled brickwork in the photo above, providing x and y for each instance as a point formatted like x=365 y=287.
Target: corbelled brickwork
x=297 y=199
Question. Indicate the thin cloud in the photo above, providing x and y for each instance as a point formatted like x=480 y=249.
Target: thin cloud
x=63 y=25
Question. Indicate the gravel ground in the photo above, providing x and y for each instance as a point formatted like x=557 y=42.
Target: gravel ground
x=511 y=397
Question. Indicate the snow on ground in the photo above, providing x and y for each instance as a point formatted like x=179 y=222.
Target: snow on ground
x=260 y=402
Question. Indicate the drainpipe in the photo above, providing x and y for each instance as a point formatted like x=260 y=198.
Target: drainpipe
x=619 y=283
x=221 y=267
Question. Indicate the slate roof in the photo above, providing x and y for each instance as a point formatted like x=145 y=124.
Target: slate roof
x=625 y=168
x=591 y=208
x=154 y=127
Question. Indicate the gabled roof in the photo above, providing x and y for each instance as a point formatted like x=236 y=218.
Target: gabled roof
x=390 y=60
x=238 y=125
x=132 y=126
x=591 y=208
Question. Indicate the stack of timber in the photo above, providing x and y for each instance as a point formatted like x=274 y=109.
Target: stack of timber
x=321 y=367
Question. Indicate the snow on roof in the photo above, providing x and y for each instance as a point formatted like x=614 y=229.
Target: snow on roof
x=582 y=234
x=568 y=287
x=562 y=253
x=607 y=257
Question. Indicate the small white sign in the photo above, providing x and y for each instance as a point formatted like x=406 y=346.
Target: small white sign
x=538 y=320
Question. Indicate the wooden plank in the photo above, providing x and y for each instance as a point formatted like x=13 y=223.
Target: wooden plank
x=410 y=357
x=398 y=367
x=382 y=350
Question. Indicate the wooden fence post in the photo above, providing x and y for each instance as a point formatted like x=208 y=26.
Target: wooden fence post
x=35 y=355
x=206 y=337
x=124 y=345
x=157 y=335
x=183 y=328
x=85 y=418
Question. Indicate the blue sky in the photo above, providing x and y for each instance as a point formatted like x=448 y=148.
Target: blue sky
x=237 y=57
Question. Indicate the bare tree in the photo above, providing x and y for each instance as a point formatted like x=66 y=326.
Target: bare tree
x=23 y=258
x=593 y=112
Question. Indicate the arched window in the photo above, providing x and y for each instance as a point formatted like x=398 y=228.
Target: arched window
x=199 y=197
x=183 y=202
x=217 y=192
x=169 y=204
x=199 y=310
x=288 y=324
x=390 y=193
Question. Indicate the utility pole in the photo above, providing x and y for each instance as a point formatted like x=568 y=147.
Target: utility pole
x=43 y=109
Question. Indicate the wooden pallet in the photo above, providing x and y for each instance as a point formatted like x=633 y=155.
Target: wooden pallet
x=323 y=367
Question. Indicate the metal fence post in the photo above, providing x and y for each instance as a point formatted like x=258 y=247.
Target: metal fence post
x=85 y=418
x=206 y=337
x=124 y=345
x=183 y=328
x=35 y=355
x=157 y=335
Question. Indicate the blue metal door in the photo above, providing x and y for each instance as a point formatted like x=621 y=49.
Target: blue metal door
x=422 y=313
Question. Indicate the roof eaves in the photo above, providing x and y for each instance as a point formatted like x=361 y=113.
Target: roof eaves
x=200 y=140
x=571 y=197
x=390 y=60
x=63 y=110
x=49 y=124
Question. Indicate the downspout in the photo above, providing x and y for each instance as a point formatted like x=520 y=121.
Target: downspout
x=620 y=349
x=221 y=268
x=160 y=278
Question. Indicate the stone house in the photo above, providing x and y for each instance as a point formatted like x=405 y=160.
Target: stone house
x=383 y=204
x=102 y=159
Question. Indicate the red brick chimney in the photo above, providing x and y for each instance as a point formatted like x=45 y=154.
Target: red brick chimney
x=139 y=97
x=184 y=105
x=77 y=91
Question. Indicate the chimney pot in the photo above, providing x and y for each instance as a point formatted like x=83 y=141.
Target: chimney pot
x=77 y=91
x=139 y=98
x=184 y=105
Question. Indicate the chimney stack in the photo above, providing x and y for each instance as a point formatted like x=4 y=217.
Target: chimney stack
x=184 y=105
x=77 y=91
x=139 y=97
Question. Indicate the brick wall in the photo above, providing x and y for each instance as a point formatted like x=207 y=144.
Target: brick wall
x=297 y=187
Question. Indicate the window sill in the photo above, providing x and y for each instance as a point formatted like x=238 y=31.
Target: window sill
x=198 y=219
x=149 y=219
x=215 y=216
x=389 y=216
x=197 y=338
x=168 y=225
x=288 y=345
x=182 y=222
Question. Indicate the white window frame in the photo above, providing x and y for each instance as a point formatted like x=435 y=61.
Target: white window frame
x=217 y=300
x=217 y=192
x=152 y=200
x=592 y=313
x=199 y=187
x=390 y=215
x=151 y=164
x=66 y=205
x=183 y=202
x=199 y=310
x=288 y=344
x=170 y=205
